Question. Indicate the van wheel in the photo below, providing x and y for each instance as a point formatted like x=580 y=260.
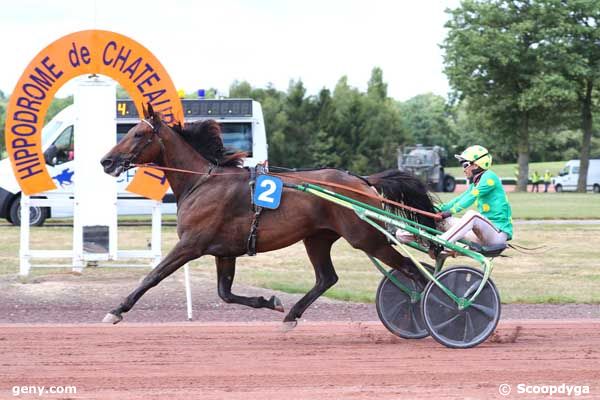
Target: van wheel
x=596 y=188
x=558 y=188
x=37 y=215
x=449 y=184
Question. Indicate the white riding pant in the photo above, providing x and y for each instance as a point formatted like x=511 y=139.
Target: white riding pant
x=474 y=227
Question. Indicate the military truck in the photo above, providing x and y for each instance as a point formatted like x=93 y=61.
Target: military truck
x=427 y=162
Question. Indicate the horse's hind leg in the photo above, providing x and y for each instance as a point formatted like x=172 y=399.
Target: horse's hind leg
x=318 y=248
x=225 y=274
x=389 y=256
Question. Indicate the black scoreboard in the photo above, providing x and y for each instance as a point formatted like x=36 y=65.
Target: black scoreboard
x=200 y=108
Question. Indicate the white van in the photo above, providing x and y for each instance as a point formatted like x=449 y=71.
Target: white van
x=568 y=176
x=241 y=121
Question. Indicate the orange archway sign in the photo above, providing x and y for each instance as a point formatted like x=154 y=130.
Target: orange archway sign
x=81 y=53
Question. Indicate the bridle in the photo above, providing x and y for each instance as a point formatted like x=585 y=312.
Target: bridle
x=155 y=128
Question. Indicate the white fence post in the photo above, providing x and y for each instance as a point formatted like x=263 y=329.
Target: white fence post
x=188 y=291
x=95 y=208
x=24 y=263
x=155 y=245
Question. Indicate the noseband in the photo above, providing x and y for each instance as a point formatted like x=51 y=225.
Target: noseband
x=149 y=141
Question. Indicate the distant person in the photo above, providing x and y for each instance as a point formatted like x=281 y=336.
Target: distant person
x=547 y=180
x=491 y=225
x=535 y=182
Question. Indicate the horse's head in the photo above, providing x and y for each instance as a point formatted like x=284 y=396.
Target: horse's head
x=140 y=145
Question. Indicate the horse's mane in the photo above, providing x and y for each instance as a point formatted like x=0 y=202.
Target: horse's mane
x=205 y=138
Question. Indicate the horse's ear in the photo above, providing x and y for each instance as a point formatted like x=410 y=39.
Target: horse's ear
x=150 y=110
x=146 y=113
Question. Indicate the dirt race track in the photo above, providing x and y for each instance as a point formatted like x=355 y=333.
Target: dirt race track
x=317 y=360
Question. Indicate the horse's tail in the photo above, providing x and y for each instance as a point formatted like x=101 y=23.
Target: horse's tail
x=404 y=187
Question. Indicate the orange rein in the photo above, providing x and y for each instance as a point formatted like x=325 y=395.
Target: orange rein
x=369 y=195
x=315 y=181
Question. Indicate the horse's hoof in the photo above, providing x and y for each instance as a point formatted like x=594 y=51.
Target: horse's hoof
x=277 y=304
x=112 y=319
x=288 y=326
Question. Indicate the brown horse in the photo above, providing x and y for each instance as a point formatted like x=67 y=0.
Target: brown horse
x=214 y=210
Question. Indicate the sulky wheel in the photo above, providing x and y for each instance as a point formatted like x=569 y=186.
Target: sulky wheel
x=457 y=328
x=400 y=314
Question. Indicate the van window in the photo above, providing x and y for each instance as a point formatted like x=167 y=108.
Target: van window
x=62 y=149
x=575 y=170
x=238 y=135
x=564 y=171
x=48 y=130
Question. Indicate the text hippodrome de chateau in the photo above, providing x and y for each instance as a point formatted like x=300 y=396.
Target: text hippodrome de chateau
x=115 y=56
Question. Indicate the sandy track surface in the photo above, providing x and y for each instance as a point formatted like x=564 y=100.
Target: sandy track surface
x=321 y=360
x=234 y=352
x=65 y=298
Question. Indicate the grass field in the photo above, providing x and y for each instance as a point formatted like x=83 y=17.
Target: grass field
x=508 y=170
x=549 y=205
x=569 y=270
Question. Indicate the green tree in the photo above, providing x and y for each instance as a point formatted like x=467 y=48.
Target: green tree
x=324 y=148
x=240 y=90
x=572 y=46
x=384 y=130
x=3 y=101
x=493 y=59
x=276 y=120
x=470 y=128
x=428 y=120
x=122 y=93
x=56 y=106
x=301 y=125
x=368 y=128
x=376 y=88
x=347 y=129
x=2 y=122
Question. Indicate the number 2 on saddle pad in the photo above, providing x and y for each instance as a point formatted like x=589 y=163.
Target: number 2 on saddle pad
x=267 y=192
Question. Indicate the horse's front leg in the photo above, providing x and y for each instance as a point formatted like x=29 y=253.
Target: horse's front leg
x=178 y=256
x=226 y=273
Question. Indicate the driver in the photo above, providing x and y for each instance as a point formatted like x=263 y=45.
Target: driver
x=491 y=224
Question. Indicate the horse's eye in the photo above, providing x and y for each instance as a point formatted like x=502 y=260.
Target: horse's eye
x=138 y=135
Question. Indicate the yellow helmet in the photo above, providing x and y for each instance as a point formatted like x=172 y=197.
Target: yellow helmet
x=477 y=155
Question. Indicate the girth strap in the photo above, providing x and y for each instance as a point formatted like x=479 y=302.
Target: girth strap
x=252 y=238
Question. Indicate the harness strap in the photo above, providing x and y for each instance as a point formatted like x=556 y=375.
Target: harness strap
x=253 y=236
